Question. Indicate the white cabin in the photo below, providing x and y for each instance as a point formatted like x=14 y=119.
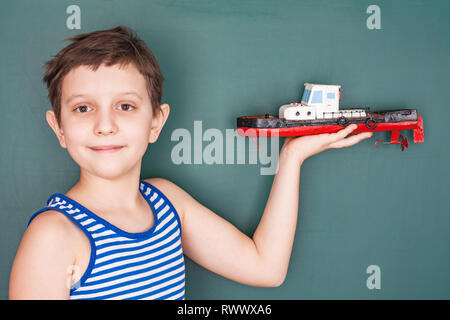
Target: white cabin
x=319 y=101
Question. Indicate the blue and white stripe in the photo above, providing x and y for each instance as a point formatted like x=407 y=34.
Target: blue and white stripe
x=147 y=265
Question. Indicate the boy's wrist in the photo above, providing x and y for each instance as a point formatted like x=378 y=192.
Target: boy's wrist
x=291 y=157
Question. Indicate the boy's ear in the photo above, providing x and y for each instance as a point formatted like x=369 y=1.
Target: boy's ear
x=158 y=121
x=53 y=123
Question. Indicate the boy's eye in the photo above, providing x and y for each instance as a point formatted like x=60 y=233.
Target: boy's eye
x=126 y=106
x=81 y=109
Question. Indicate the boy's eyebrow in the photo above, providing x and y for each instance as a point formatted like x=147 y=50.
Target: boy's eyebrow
x=119 y=94
x=133 y=93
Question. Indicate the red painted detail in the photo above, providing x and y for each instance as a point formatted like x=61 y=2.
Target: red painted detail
x=418 y=131
x=404 y=143
x=378 y=140
x=394 y=137
x=339 y=94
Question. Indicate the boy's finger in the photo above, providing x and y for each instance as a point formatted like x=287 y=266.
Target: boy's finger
x=344 y=132
x=354 y=139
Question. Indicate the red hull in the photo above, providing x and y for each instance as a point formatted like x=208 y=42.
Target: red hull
x=395 y=127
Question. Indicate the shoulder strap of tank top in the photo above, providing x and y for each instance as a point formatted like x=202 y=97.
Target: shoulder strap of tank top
x=144 y=184
x=58 y=203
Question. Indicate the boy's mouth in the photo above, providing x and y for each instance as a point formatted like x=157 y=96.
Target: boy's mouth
x=106 y=149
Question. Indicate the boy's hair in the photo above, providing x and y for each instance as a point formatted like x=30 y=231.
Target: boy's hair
x=118 y=45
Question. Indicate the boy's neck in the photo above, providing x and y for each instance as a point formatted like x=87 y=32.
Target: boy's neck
x=120 y=193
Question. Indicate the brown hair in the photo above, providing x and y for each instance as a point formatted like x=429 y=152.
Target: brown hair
x=118 y=45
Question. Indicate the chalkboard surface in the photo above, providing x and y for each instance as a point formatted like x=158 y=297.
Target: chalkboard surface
x=364 y=212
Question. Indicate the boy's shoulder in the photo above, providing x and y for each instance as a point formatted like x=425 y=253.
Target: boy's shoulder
x=51 y=225
x=51 y=231
x=50 y=220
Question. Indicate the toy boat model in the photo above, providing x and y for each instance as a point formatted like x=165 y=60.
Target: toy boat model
x=319 y=113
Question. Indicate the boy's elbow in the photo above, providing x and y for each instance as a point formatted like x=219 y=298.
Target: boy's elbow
x=274 y=281
x=279 y=281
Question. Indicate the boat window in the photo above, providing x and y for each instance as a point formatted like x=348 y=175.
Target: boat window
x=306 y=95
x=317 y=97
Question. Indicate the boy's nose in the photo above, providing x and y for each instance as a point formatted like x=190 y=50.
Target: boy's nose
x=105 y=124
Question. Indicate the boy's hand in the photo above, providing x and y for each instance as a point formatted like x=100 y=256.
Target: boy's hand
x=301 y=148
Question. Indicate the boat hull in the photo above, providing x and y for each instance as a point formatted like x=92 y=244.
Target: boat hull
x=395 y=121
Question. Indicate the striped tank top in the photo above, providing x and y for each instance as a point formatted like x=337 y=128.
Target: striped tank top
x=122 y=265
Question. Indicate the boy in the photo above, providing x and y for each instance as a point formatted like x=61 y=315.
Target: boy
x=117 y=237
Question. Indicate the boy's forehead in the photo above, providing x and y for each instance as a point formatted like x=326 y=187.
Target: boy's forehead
x=105 y=80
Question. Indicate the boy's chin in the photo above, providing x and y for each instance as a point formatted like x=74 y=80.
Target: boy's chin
x=111 y=172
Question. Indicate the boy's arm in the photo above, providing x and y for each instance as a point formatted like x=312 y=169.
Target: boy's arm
x=41 y=264
x=263 y=260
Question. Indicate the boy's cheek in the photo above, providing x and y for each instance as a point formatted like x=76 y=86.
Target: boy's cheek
x=75 y=142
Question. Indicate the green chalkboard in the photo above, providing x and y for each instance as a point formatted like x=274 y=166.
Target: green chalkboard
x=360 y=208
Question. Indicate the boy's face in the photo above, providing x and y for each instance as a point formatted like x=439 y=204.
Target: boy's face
x=106 y=107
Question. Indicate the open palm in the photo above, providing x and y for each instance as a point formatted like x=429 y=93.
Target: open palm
x=307 y=146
